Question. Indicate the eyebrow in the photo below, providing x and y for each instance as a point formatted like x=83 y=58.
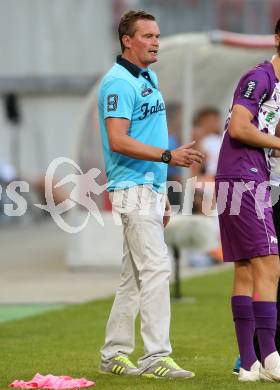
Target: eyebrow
x=145 y=35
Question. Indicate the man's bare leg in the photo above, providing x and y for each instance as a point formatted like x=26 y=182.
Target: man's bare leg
x=266 y=271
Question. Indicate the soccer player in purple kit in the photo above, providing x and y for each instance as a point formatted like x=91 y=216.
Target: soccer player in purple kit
x=246 y=223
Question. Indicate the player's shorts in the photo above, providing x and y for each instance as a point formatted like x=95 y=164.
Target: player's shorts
x=246 y=219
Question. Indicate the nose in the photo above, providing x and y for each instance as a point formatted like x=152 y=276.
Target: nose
x=156 y=41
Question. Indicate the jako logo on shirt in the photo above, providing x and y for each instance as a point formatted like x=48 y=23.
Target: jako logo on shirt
x=147 y=109
x=251 y=86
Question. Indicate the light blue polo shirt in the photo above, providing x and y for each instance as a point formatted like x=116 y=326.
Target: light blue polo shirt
x=126 y=93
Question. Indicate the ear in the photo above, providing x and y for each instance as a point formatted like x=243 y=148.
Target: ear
x=126 y=40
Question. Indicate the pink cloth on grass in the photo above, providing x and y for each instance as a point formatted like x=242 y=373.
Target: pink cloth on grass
x=52 y=382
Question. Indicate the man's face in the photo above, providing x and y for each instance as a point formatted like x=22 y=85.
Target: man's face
x=211 y=124
x=144 y=45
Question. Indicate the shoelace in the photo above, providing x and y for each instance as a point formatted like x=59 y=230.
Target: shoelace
x=125 y=360
x=171 y=363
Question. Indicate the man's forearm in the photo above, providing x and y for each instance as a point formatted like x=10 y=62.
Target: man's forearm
x=276 y=152
x=133 y=148
x=277 y=130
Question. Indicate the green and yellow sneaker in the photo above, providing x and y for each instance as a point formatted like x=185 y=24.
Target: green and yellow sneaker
x=120 y=365
x=166 y=368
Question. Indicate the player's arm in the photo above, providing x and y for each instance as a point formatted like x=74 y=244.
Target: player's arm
x=277 y=130
x=121 y=142
x=241 y=129
x=276 y=152
x=252 y=90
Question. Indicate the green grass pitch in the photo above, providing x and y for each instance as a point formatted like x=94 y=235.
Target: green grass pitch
x=67 y=342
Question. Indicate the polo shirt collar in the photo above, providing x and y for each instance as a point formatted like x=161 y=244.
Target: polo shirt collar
x=132 y=68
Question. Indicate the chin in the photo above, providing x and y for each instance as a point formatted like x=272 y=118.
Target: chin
x=152 y=61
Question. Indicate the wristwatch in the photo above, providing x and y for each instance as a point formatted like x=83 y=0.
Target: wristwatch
x=166 y=156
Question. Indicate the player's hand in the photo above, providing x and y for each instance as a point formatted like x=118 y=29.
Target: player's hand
x=167 y=212
x=185 y=156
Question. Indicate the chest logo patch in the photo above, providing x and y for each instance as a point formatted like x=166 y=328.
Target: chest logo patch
x=145 y=90
x=151 y=109
x=270 y=116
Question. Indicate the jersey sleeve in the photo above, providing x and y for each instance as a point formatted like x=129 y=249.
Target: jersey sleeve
x=119 y=99
x=253 y=90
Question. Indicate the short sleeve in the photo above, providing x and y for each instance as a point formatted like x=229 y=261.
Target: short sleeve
x=253 y=90
x=119 y=99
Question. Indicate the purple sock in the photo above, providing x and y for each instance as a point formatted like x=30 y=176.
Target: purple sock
x=265 y=318
x=243 y=316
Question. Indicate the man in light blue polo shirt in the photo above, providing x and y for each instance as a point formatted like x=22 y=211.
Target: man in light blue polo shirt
x=126 y=93
x=134 y=133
